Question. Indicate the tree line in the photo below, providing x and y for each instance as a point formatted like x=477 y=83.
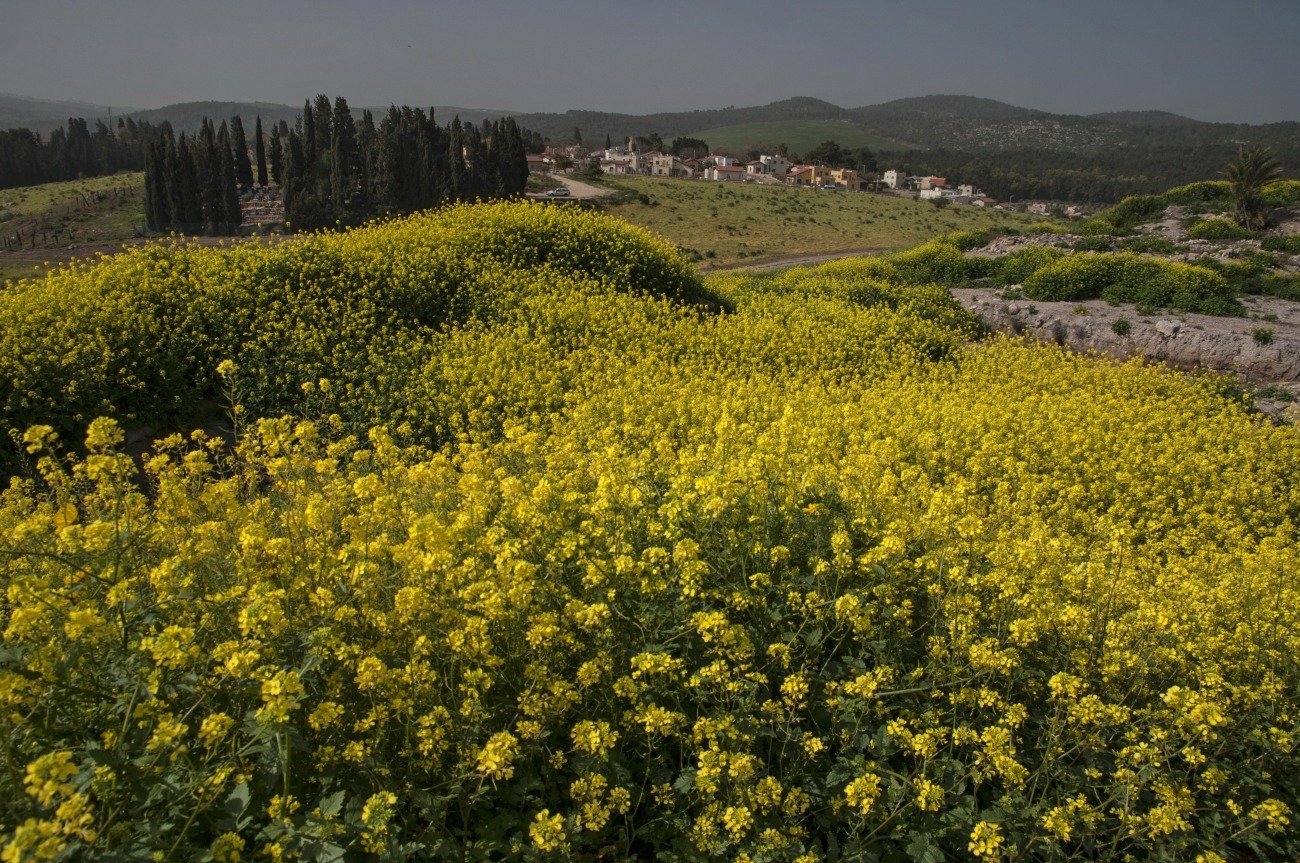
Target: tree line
x=331 y=170
x=194 y=185
x=338 y=171
x=1100 y=176
x=72 y=152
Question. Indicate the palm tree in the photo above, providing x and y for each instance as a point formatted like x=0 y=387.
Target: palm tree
x=1249 y=173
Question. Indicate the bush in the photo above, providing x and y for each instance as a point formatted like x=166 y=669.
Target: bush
x=1121 y=326
x=139 y=337
x=1217 y=229
x=1204 y=192
x=1018 y=266
x=1289 y=244
x=1128 y=278
x=938 y=262
x=1131 y=212
x=1283 y=193
x=1093 y=244
x=1263 y=336
x=1150 y=244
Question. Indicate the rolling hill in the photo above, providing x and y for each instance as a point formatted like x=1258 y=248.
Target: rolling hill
x=799 y=135
x=46 y=115
x=955 y=123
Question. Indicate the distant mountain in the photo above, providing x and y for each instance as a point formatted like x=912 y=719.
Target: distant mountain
x=1150 y=119
x=948 y=122
x=45 y=115
x=188 y=116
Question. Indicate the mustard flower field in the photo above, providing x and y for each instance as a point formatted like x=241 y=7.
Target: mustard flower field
x=533 y=545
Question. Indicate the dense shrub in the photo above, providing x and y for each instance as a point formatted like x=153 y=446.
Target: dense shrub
x=1131 y=212
x=1283 y=193
x=1217 y=229
x=938 y=262
x=1150 y=244
x=1128 y=278
x=1023 y=263
x=1204 y=192
x=1093 y=244
x=1275 y=243
x=139 y=336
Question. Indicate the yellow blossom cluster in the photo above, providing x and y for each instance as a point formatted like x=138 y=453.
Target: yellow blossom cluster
x=601 y=561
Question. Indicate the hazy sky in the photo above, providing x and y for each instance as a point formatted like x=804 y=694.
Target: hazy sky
x=1210 y=59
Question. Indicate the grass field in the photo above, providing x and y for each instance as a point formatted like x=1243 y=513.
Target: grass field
x=70 y=219
x=732 y=223
x=799 y=135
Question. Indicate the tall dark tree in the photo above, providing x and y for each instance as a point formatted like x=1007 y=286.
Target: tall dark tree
x=209 y=166
x=172 y=175
x=308 y=135
x=230 y=211
x=457 y=181
x=239 y=143
x=277 y=157
x=259 y=147
x=322 y=123
x=153 y=180
x=577 y=135
x=608 y=143
x=191 y=200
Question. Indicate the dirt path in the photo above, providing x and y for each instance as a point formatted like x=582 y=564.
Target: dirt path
x=793 y=260
x=580 y=189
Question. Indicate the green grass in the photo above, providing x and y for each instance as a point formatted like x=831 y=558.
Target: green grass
x=799 y=135
x=732 y=223
x=72 y=219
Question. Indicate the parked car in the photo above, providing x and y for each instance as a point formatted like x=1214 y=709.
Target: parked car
x=561 y=192
x=830 y=187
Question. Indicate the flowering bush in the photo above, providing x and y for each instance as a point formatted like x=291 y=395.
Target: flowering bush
x=816 y=578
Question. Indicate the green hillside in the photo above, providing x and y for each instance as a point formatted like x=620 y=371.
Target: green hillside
x=798 y=135
x=742 y=223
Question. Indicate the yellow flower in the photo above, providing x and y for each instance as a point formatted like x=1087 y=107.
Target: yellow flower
x=547 y=831
x=496 y=757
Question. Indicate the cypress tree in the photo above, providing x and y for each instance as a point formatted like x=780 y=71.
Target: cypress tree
x=230 y=210
x=191 y=204
x=172 y=173
x=308 y=138
x=608 y=143
x=323 y=123
x=292 y=168
x=243 y=165
x=456 y=179
x=259 y=148
x=150 y=182
x=366 y=160
x=338 y=177
x=209 y=165
x=277 y=157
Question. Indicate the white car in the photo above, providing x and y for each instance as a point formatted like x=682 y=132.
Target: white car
x=561 y=192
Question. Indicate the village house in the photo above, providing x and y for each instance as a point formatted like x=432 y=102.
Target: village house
x=924 y=183
x=725 y=173
x=894 y=179
x=668 y=165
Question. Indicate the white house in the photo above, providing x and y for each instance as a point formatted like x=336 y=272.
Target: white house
x=725 y=173
x=894 y=179
x=776 y=165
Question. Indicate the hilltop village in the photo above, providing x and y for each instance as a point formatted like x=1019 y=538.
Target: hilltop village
x=639 y=157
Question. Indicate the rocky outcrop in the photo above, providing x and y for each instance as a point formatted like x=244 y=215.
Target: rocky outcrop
x=1263 y=348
